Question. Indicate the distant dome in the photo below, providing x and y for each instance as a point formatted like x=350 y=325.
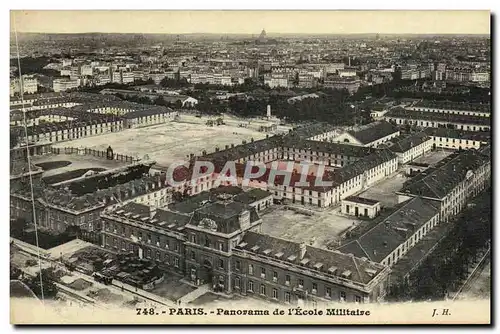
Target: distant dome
x=262 y=36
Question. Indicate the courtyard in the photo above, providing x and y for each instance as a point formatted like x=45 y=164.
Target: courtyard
x=433 y=157
x=172 y=288
x=319 y=230
x=169 y=142
x=385 y=190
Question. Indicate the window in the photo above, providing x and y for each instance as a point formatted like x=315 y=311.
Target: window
x=275 y=276
x=301 y=283
x=262 y=289
x=176 y=261
x=250 y=269
x=357 y=299
x=275 y=293
x=221 y=264
x=287 y=280
x=250 y=286
x=167 y=261
x=237 y=282
x=314 y=288
x=193 y=255
x=328 y=293
x=263 y=272
x=220 y=246
x=287 y=297
x=157 y=255
x=237 y=265
x=176 y=246
x=342 y=296
x=193 y=238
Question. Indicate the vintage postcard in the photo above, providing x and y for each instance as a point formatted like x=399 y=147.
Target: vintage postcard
x=250 y=167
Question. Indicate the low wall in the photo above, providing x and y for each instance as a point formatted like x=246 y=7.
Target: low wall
x=94 y=153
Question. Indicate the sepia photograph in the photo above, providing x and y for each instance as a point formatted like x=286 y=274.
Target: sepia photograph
x=250 y=167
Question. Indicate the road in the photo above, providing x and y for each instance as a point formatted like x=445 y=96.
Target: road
x=478 y=284
x=127 y=292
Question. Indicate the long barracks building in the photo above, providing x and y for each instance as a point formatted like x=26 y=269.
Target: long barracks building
x=425 y=119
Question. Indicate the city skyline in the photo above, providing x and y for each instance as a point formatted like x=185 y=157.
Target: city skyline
x=252 y=22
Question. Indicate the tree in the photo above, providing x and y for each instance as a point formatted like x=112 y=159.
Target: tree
x=17 y=227
x=48 y=279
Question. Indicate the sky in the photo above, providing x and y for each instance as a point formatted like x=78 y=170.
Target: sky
x=252 y=22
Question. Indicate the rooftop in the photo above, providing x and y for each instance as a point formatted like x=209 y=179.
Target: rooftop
x=374 y=132
x=361 y=200
x=438 y=117
x=381 y=240
x=438 y=181
x=330 y=263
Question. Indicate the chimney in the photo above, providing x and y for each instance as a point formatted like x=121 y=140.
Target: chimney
x=152 y=211
x=232 y=145
x=216 y=149
x=303 y=248
x=227 y=147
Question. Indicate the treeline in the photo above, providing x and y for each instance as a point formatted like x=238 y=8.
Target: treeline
x=92 y=184
x=392 y=89
x=34 y=284
x=30 y=65
x=448 y=265
x=334 y=108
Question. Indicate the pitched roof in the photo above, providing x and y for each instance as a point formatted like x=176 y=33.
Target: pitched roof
x=374 y=132
x=403 y=144
x=437 y=117
x=438 y=181
x=381 y=240
x=327 y=262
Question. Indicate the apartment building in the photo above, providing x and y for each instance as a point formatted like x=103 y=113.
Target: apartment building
x=62 y=85
x=351 y=84
x=29 y=85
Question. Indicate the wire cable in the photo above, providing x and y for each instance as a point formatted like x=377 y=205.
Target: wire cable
x=21 y=88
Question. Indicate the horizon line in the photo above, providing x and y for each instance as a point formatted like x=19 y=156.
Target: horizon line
x=248 y=33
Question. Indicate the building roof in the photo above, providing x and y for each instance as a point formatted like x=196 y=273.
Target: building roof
x=483 y=136
x=359 y=166
x=381 y=240
x=438 y=181
x=311 y=130
x=361 y=200
x=252 y=196
x=449 y=105
x=158 y=218
x=225 y=214
x=403 y=144
x=437 y=117
x=374 y=132
x=329 y=263
x=327 y=147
